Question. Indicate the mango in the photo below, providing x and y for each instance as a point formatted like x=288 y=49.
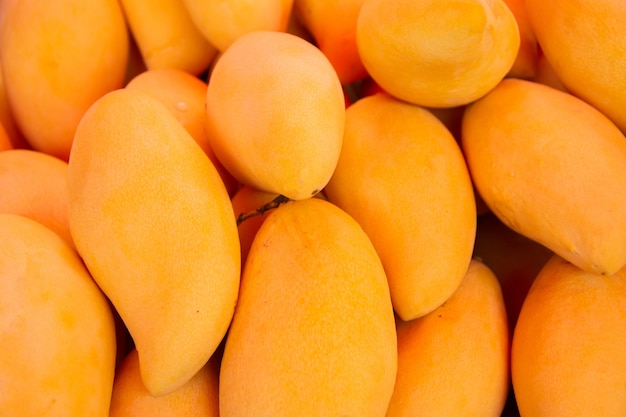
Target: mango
x=152 y=219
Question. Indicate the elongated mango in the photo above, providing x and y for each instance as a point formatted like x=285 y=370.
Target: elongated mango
x=57 y=58
x=402 y=176
x=313 y=333
x=57 y=349
x=552 y=168
x=152 y=219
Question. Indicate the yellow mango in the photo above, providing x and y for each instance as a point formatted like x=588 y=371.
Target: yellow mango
x=223 y=21
x=277 y=128
x=313 y=333
x=166 y=36
x=57 y=350
x=402 y=176
x=454 y=361
x=197 y=398
x=152 y=219
x=568 y=356
x=587 y=57
x=34 y=184
x=437 y=53
x=552 y=168
x=58 y=57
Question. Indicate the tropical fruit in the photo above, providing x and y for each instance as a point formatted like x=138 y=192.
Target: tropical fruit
x=437 y=53
x=567 y=356
x=587 y=57
x=197 y=398
x=184 y=95
x=526 y=61
x=551 y=167
x=153 y=222
x=313 y=333
x=57 y=350
x=223 y=21
x=166 y=35
x=33 y=184
x=60 y=65
x=454 y=361
x=278 y=128
x=332 y=25
x=402 y=176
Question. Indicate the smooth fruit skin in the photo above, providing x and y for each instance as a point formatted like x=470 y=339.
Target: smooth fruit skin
x=568 y=356
x=313 y=333
x=197 y=398
x=587 y=57
x=437 y=53
x=166 y=35
x=402 y=176
x=152 y=219
x=551 y=167
x=184 y=95
x=222 y=22
x=33 y=184
x=71 y=53
x=455 y=360
x=332 y=24
x=275 y=114
x=57 y=350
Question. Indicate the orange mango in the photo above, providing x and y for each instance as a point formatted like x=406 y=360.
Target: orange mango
x=34 y=185
x=184 y=95
x=437 y=53
x=224 y=21
x=166 y=35
x=57 y=350
x=526 y=61
x=313 y=332
x=278 y=128
x=402 y=176
x=196 y=398
x=551 y=167
x=587 y=57
x=332 y=25
x=71 y=54
x=153 y=221
x=454 y=361
x=567 y=356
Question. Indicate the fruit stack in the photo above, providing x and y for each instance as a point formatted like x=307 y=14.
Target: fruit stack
x=312 y=208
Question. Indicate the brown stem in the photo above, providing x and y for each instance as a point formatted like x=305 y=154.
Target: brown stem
x=281 y=199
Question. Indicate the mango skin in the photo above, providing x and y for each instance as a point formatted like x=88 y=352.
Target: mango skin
x=152 y=219
x=71 y=53
x=551 y=167
x=567 y=354
x=58 y=346
x=402 y=176
x=454 y=361
x=313 y=333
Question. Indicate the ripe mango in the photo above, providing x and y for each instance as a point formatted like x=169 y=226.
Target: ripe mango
x=153 y=221
x=313 y=333
x=57 y=350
